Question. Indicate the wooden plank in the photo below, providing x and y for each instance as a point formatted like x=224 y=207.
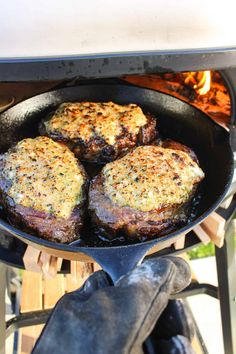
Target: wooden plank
x=226 y=203
x=217 y=240
x=84 y=269
x=96 y=267
x=202 y=235
x=44 y=261
x=31 y=293
x=215 y=223
x=80 y=271
x=31 y=259
x=50 y=265
x=73 y=284
x=59 y=264
x=179 y=244
x=53 y=290
x=73 y=271
x=53 y=266
x=214 y=226
x=38 y=330
x=27 y=338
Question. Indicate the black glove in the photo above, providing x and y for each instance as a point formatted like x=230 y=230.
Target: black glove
x=173 y=331
x=100 y=318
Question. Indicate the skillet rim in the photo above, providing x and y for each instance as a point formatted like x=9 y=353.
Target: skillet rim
x=7 y=227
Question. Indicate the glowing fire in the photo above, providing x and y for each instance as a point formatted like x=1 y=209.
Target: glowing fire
x=200 y=81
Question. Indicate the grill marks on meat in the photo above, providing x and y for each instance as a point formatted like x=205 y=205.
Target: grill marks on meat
x=99 y=132
x=43 y=189
x=145 y=193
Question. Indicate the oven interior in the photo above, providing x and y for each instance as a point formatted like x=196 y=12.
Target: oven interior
x=209 y=91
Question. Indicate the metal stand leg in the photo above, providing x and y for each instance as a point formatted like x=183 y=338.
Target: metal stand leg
x=226 y=269
x=2 y=307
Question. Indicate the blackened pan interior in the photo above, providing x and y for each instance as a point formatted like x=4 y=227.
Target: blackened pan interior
x=176 y=120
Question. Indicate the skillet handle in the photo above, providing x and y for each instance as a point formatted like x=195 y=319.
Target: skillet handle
x=118 y=261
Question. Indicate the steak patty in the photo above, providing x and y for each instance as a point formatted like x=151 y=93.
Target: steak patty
x=99 y=132
x=43 y=189
x=145 y=193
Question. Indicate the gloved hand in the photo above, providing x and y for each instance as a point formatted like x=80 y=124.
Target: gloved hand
x=101 y=318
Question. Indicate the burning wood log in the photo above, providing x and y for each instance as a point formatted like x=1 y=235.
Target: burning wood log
x=204 y=90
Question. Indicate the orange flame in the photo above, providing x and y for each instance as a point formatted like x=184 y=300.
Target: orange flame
x=200 y=81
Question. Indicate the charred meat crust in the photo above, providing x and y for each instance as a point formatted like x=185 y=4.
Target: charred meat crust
x=111 y=219
x=40 y=223
x=97 y=150
x=171 y=144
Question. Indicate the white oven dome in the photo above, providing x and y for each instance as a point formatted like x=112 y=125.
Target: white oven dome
x=55 y=28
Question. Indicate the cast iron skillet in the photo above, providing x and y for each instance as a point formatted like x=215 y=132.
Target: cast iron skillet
x=176 y=120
